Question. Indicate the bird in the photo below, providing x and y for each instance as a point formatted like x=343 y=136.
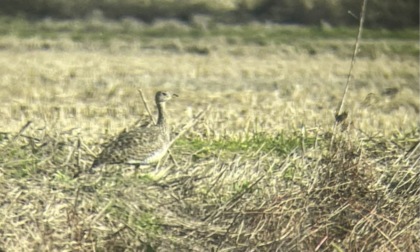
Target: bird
x=140 y=146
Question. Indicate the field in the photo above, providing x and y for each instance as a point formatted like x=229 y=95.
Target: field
x=264 y=168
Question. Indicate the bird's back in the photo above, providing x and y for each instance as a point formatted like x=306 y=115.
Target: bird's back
x=138 y=146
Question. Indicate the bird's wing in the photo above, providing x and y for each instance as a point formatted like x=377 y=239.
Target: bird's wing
x=135 y=144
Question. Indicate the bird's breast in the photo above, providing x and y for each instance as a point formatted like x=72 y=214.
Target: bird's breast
x=155 y=156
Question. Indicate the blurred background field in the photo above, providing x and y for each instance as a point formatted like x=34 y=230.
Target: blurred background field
x=83 y=71
x=260 y=171
x=382 y=13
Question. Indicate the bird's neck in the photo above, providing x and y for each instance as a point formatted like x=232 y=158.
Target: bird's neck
x=161 y=113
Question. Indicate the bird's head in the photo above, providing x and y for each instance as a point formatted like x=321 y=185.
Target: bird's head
x=164 y=96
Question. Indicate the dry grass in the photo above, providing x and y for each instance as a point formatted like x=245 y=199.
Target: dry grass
x=255 y=174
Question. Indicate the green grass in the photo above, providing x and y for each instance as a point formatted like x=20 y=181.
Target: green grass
x=279 y=144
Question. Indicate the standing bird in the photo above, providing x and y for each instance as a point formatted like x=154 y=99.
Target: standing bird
x=140 y=145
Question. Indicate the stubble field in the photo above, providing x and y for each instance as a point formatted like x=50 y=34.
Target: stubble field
x=262 y=170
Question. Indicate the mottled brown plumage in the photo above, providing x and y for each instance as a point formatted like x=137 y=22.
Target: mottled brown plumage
x=140 y=145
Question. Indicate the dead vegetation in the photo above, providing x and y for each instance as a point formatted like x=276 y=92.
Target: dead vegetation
x=349 y=199
x=258 y=172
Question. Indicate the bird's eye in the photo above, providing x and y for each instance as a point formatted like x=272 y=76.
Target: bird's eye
x=164 y=94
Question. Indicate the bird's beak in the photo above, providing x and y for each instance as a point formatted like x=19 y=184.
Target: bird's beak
x=174 y=95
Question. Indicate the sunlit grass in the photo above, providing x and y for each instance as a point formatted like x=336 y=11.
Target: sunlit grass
x=259 y=171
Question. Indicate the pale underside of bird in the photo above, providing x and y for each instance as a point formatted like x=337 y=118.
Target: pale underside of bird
x=139 y=146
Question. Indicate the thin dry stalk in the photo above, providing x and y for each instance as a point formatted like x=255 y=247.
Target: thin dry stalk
x=339 y=112
x=24 y=127
x=145 y=105
x=353 y=58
